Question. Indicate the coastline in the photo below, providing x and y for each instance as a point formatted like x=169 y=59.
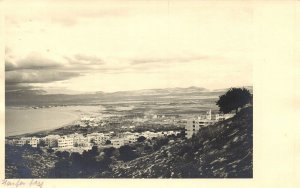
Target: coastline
x=72 y=115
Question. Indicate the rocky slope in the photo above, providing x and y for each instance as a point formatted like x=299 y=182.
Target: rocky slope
x=224 y=150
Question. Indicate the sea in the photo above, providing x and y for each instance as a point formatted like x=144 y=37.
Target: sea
x=21 y=120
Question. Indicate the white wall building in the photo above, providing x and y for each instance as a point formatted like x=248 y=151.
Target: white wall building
x=51 y=140
x=194 y=125
x=20 y=142
x=65 y=142
x=32 y=141
x=117 y=142
x=98 y=138
x=130 y=138
x=221 y=117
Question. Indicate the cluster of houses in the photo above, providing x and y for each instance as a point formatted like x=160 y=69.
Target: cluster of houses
x=89 y=121
x=195 y=124
x=79 y=142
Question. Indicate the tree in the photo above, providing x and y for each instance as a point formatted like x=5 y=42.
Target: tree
x=65 y=154
x=42 y=143
x=108 y=152
x=141 y=139
x=234 y=99
x=127 y=153
x=50 y=150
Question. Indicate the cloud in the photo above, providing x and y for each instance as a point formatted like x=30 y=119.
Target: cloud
x=9 y=66
x=76 y=14
x=168 y=60
x=35 y=76
x=17 y=87
x=67 y=16
x=86 y=59
x=33 y=61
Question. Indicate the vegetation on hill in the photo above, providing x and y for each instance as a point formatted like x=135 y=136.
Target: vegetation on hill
x=27 y=162
x=223 y=150
x=234 y=99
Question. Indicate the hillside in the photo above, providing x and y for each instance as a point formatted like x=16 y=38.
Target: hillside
x=223 y=150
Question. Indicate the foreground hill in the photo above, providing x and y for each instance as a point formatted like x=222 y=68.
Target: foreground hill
x=224 y=150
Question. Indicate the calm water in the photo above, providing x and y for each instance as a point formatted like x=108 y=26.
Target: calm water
x=25 y=120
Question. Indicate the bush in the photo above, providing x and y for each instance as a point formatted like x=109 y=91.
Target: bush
x=127 y=153
x=184 y=149
x=141 y=139
x=108 y=152
x=160 y=142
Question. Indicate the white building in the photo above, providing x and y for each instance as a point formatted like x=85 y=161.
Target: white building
x=149 y=134
x=51 y=140
x=79 y=140
x=20 y=142
x=32 y=141
x=65 y=142
x=117 y=142
x=194 y=125
x=130 y=138
x=98 y=138
x=221 y=117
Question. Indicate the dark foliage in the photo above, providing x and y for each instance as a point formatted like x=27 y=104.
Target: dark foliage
x=127 y=153
x=160 y=142
x=141 y=139
x=234 y=99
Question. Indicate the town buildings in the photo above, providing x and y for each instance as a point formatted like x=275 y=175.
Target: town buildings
x=32 y=141
x=51 y=140
x=78 y=142
x=65 y=142
x=195 y=124
x=118 y=142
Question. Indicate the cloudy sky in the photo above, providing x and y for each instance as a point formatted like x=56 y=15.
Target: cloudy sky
x=127 y=45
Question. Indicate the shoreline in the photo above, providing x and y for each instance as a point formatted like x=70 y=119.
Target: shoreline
x=73 y=116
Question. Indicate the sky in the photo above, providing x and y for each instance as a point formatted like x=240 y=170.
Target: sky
x=63 y=47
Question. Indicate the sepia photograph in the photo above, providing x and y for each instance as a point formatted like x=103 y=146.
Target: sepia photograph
x=129 y=89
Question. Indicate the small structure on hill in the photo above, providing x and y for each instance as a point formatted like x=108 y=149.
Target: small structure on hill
x=194 y=125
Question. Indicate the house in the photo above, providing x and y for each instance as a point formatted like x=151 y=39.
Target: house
x=130 y=138
x=194 y=125
x=98 y=138
x=65 y=142
x=79 y=139
x=221 y=117
x=80 y=123
x=32 y=141
x=20 y=142
x=10 y=142
x=117 y=142
x=51 y=140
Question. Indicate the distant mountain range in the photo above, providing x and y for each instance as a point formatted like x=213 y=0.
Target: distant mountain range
x=39 y=97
